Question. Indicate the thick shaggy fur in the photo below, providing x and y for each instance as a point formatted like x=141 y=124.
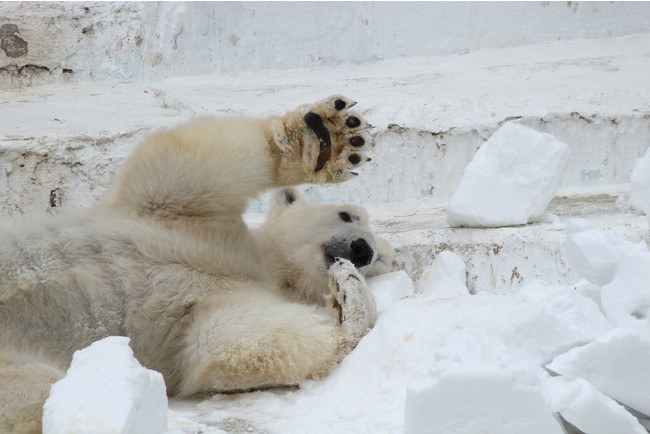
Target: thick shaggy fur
x=167 y=260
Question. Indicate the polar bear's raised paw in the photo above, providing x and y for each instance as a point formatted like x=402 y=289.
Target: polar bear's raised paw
x=351 y=298
x=328 y=140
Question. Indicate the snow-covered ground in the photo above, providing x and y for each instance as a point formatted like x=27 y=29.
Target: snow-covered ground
x=509 y=329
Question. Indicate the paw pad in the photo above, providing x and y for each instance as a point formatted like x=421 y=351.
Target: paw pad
x=342 y=139
x=357 y=141
x=339 y=104
x=353 y=122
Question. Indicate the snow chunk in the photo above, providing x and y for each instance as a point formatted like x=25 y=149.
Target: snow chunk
x=489 y=398
x=588 y=409
x=553 y=325
x=640 y=184
x=476 y=386
x=106 y=390
x=446 y=277
x=389 y=288
x=511 y=179
x=616 y=363
x=621 y=267
x=594 y=254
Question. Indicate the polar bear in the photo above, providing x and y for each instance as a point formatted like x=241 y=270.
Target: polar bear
x=167 y=260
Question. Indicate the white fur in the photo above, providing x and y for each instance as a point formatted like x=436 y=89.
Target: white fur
x=167 y=260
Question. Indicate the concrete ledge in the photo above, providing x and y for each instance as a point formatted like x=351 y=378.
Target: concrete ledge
x=431 y=115
x=502 y=260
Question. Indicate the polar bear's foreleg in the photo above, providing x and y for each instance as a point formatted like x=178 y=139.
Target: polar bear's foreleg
x=211 y=166
x=319 y=143
x=351 y=298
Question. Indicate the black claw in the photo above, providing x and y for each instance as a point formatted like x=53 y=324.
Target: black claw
x=339 y=104
x=353 y=122
x=354 y=159
x=357 y=141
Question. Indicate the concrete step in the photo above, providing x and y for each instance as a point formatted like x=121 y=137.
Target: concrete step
x=502 y=260
x=431 y=114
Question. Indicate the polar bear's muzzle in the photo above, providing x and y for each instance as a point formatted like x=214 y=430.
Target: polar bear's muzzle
x=357 y=251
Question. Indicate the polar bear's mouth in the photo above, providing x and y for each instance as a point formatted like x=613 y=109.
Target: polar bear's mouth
x=357 y=251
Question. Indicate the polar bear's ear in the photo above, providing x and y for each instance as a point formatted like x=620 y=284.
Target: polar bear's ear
x=285 y=197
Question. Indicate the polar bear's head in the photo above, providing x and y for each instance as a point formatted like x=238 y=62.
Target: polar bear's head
x=307 y=237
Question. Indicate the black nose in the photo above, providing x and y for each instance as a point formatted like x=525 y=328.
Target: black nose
x=358 y=252
x=361 y=253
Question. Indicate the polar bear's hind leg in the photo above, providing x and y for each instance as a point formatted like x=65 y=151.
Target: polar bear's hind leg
x=256 y=341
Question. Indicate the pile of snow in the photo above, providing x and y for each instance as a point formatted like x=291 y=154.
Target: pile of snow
x=598 y=345
x=439 y=360
x=106 y=390
x=620 y=268
x=615 y=364
x=511 y=179
x=588 y=409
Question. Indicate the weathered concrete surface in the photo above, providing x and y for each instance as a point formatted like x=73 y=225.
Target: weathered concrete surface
x=44 y=42
x=431 y=114
x=505 y=259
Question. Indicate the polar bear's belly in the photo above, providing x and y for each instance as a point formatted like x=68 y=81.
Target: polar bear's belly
x=54 y=295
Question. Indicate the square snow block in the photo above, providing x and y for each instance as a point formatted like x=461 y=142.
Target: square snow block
x=563 y=320
x=588 y=409
x=106 y=390
x=511 y=179
x=470 y=399
x=616 y=363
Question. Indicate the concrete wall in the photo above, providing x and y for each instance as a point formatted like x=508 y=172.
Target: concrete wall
x=137 y=41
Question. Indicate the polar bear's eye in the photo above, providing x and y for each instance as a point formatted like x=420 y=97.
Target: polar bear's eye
x=346 y=217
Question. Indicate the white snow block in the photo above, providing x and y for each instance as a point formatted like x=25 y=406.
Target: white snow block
x=553 y=325
x=389 y=288
x=511 y=179
x=470 y=399
x=640 y=184
x=106 y=390
x=446 y=277
x=620 y=267
x=616 y=363
x=588 y=409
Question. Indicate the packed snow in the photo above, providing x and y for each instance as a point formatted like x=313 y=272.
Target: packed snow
x=511 y=179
